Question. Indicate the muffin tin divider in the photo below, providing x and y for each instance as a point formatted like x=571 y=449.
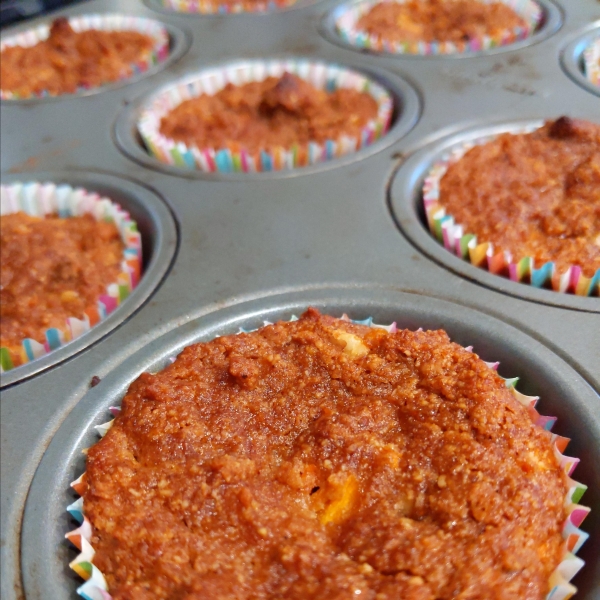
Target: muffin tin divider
x=249 y=239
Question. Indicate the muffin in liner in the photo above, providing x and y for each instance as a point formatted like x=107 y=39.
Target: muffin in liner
x=101 y=22
x=210 y=7
x=324 y=76
x=40 y=199
x=348 y=16
x=95 y=586
x=591 y=62
x=481 y=253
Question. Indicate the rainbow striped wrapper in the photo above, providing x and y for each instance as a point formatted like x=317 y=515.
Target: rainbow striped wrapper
x=591 y=62
x=95 y=586
x=229 y=160
x=101 y=22
x=481 y=254
x=40 y=199
x=348 y=16
x=211 y=7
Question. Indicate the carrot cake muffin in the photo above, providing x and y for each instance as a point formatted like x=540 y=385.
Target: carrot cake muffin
x=439 y=20
x=323 y=459
x=67 y=60
x=278 y=111
x=533 y=194
x=52 y=269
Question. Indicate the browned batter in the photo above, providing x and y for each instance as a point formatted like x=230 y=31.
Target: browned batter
x=275 y=112
x=67 y=60
x=438 y=20
x=323 y=460
x=535 y=194
x=52 y=269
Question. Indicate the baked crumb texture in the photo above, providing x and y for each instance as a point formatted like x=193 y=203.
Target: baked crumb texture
x=78 y=54
x=226 y=6
x=591 y=62
x=324 y=458
x=68 y=258
x=265 y=116
x=436 y=26
x=524 y=205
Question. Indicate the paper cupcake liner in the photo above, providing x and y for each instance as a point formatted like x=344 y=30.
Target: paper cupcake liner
x=102 y=22
x=591 y=62
x=38 y=200
x=349 y=16
x=95 y=586
x=210 y=7
x=481 y=254
x=228 y=160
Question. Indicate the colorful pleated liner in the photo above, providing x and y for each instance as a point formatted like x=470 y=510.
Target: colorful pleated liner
x=211 y=7
x=38 y=200
x=348 y=16
x=591 y=62
x=232 y=160
x=481 y=254
x=101 y=22
x=95 y=586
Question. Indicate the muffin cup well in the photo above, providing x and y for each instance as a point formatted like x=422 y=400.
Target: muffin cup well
x=591 y=62
x=38 y=200
x=101 y=22
x=481 y=254
x=228 y=160
x=346 y=26
x=210 y=7
x=95 y=587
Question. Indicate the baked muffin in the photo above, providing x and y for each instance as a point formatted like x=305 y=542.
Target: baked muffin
x=67 y=61
x=263 y=115
x=52 y=269
x=456 y=21
x=532 y=194
x=320 y=458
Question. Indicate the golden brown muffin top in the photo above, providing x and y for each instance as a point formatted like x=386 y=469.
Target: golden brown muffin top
x=321 y=459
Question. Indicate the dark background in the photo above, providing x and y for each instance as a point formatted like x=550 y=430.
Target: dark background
x=13 y=11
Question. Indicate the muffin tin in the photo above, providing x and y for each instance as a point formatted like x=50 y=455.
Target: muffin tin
x=344 y=236
x=572 y=57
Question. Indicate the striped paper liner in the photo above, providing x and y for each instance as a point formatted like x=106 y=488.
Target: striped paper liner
x=481 y=254
x=101 y=22
x=591 y=62
x=40 y=199
x=349 y=15
x=229 y=160
x=95 y=586
x=210 y=7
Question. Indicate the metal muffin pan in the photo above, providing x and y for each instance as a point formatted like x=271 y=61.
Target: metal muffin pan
x=563 y=393
x=159 y=244
x=550 y=24
x=572 y=57
x=407 y=108
x=179 y=43
x=244 y=241
x=406 y=202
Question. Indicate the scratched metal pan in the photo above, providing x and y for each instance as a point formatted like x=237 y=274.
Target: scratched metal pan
x=159 y=243
x=572 y=56
x=563 y=393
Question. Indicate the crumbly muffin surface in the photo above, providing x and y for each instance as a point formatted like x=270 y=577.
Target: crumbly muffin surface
x=535 y=194
x=320 y=459
x=52 y=269
x=456 y=21
x=67 y=60
x=278 y=111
